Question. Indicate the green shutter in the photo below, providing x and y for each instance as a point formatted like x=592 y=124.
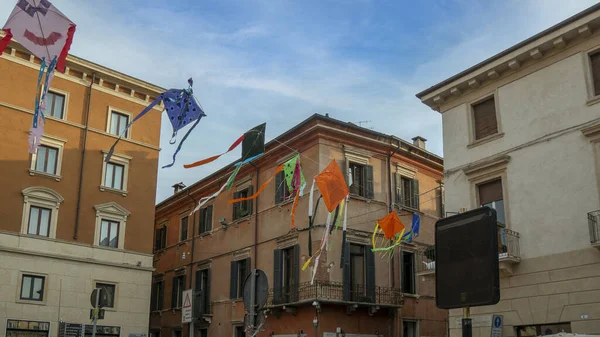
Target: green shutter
x=207 y=293
x=347 y=276
x=415 y=197
x=209 y=219
x=174 y=293
x=277 y=280
x=368 y=178
x=370 y=277
x=236 y=206
x=233 y=279
x=279 y=187
x=295 y=274
x=398 y=185
x=250 y=202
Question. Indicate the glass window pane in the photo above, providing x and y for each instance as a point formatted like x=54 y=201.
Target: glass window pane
x=114 y=234
x=49 y=104
x=44 y=221
x=118 y=177
x=58 y=110
x=104 y=233
x=357 y=270
x=52 y=154
x=26 y=287
x=108 y=179
x=114 y=120
x=37 y=288
x=33 y=220
x=40 y=159
x=499 y=206
x=122 y=123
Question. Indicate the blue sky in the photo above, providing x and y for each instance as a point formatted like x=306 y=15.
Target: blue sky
x=282 y=61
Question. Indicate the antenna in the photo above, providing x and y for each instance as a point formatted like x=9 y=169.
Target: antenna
x=366 y=123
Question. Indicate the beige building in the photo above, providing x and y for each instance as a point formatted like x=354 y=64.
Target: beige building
x=69 y=222
x=522 y=134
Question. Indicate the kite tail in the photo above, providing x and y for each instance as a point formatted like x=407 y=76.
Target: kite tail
x=5 y=40
x=62 y=59
x=142 y=113
x=213 y=158
x=183 y=140
x=260 y=189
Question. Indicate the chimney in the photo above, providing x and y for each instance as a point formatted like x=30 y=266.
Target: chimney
x=178 y=187
x=419 y=142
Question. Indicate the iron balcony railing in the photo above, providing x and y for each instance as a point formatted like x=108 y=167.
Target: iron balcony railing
x=508 y=248
x=594 y=223
x=334 y=292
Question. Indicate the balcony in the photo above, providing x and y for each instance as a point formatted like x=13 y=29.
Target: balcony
x=594 y=224
x=333 y=292
x=508 y=253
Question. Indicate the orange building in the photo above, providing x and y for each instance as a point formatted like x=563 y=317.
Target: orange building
x=214 y=249
x=69 y=221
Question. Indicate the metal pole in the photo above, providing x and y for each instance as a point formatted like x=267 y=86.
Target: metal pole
x=252 y=315
x=467 y=327
x=96 y=311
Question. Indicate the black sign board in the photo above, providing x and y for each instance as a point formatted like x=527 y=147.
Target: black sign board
x=103 y=330
x=466 y=266
x=71 y=330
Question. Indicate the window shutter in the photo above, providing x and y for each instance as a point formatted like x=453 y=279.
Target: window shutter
x=484 y=115
x=233 y=278
x=153 y=297
x=347 y=277
x=398 y=186
x=201 y=224
x=163 y=237
x=402 y=271
x=370 y=269
x=368 y=179
x=157 y=239
x=250 y=202
x=248 y=268
x=236 y=206
x=174 y=293
x=347 y=171
x=277 y=281
x=595 y=61
x=415 y=194
x=209 y=219
x=207 y=293
x=161 y=294
x=295 y=273
x=491 y=191
x=279 y=187
x=198 y=299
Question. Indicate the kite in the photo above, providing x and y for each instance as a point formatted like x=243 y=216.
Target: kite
x=334 y=191
x=47 y=33
x=414 y=229
x=253 y=146
x=182 y=109
x=390 y=225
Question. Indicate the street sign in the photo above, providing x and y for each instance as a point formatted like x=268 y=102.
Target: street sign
x=100 y=313
x=497 y=323
x=102 y=300
x=186 y=310
x=71 y=330
x=467 y=266
x=261 y=286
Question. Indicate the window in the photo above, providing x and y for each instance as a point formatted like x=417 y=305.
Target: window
x=484 y=117
x=409 y=328
x=176 y=333
x=490 y=194
x=407 y=192
x=160 y=238
x=357 y=271
x=46 y=159
x=360 y=180
x=109 y=234
x=114 y=176
x=206 y=219
x=118 y=123
x=177 y=293
x=286 y=274
x=282 y=191
x=204 y=333
x=55 y=105
x=156 y=300
x=239 y=271
x=32 y=288
x=183 y=229
x=595 y=65
x=202 y=293
x=39 y=221
x=239 y=331
x=408 y=273
x=109 y=290
x=543 y=329
x=242 y=208
x=40 y=211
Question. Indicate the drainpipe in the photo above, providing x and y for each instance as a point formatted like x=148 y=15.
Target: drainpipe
x=256 y=220
x=191 y=263
x=85 y=132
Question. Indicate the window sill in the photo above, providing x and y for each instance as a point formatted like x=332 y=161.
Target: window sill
x=113 y=190
x=285 y=202
x=238 y=220
x=43 y=303
x=593 y=100
x=44 y=174
x=113 y=309
x=411 y=295
x=408 y=208
x=207 y=233
x=486 y=139
x=360 y=197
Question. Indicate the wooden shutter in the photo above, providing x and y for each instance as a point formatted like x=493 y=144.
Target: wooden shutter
x=236 y=206
x=279 y=187
x=595 y=61
x=370 y=277
x=248 y=268
x=277 y=276
x=157 y=239
x=209 y=218
x=484 y=115
x=201 y=221
x=174 y=293
x=153 y=297
x=250 y=202
x=368 y=179
x=163 y=237
x=295 y=273
x=207 y=293
x=198 y=298
x=346 y=172
x=415 y=194
x=161 y=294
x=398 y=185
x=491 y=191
x=233 y=280
x=347 y=276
